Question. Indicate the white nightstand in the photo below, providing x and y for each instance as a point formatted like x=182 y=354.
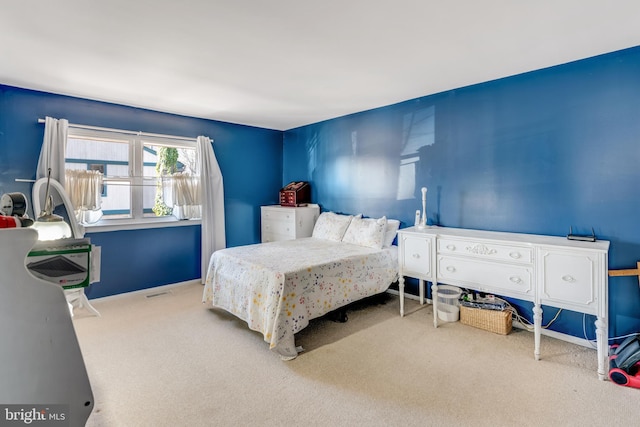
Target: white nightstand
x=287 y=223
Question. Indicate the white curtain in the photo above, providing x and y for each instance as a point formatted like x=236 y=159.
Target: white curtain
x=85 y=191
x=187 y=200
x=212 y=191
x=52 y=155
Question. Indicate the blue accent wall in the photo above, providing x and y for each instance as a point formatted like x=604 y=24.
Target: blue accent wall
x=250 y=159
x=533 y=153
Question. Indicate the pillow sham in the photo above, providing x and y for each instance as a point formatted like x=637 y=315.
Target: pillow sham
x=331 y=226
x=392 y=228
x=368 y=232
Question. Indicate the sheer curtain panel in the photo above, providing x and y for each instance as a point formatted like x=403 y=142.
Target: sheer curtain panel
x=187 y=200
x=212 y=190
x=85 y=191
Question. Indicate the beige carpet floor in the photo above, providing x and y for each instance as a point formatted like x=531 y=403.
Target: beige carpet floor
x=168 y=360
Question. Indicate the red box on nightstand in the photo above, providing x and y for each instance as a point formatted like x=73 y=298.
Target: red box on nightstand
x=295 y=194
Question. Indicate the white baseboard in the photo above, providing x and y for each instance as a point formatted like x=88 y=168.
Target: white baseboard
x=559 y=335
x=547 y=332
x=147 y=291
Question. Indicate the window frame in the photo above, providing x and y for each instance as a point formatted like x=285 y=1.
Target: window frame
x=136 y=142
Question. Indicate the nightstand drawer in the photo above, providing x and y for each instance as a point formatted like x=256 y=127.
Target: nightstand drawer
x=278 y=215
x=279 y=228
x=274 y=237
x=486 y=250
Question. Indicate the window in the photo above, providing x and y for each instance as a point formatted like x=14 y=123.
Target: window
x=139 y=172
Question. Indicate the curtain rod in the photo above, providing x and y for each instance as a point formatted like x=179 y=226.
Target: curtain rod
x=128 y=132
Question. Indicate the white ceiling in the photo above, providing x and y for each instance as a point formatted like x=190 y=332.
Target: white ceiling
x=281 y=64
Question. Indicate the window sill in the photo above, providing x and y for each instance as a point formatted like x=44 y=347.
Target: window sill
x=130 y=224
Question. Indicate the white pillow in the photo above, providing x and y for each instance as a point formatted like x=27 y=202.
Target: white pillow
x=331 y=226
x=392 y=228
x=366 y=232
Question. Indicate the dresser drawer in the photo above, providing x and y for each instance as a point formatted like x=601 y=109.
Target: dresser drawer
x=281 y=228
x=274 y=237
x=569 y=279
x=498 y=278
x=279 y=215
x=486 y=250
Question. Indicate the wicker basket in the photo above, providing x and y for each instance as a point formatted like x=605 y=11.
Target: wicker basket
x=495 y=321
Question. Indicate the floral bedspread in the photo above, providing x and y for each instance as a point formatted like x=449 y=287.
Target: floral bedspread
x=278 y=287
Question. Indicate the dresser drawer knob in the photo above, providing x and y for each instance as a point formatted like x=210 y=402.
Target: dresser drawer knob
x=515 y=279
x=451 y=269
x=568 y=278
x=515 y=255
x=416 y=256
x=451 y=247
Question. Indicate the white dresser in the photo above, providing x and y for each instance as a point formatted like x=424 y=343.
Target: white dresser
x=545 y=270
x=286 y=223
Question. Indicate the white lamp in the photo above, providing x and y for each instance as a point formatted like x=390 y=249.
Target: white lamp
x=49 y=225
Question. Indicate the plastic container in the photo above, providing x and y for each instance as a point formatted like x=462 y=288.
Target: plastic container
x=448 y=305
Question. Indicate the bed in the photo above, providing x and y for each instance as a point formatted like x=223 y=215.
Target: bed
x=278 y=287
